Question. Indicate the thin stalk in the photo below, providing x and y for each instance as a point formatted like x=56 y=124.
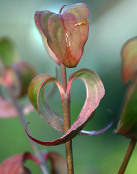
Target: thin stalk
x=37 y=152
x=127 y=156
x=67 y=123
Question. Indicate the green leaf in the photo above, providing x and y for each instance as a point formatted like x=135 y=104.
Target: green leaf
x=129 y=58
x=95 y=92
x=66 y=33
x=7 y=51
x=128 y=120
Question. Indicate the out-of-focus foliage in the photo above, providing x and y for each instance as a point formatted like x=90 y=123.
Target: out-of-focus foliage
x=15 y=164
x=14 y=77
x=7 y=52
x=128 y=120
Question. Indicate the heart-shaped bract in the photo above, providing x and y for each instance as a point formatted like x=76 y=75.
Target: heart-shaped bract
x=64 y=34
x=95 y=92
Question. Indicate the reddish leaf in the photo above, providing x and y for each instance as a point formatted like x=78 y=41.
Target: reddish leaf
x=66 y=33
x=95 y=92
x=58 y=163
x=14 y=165
x=129 y=57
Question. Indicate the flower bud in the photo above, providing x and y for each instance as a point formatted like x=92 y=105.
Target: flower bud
x=65 y=33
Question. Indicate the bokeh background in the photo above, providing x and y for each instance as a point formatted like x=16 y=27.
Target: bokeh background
x=112 y=23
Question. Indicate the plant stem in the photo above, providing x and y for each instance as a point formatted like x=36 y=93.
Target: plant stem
x=67 y=123
x=37 y=152
x=127 y=156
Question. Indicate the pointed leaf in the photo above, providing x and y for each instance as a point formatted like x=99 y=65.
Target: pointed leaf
x=129 y=57
x=14 y=165
x=66 y=33
x=58 y=163
x=128 y=119
x=95 y=92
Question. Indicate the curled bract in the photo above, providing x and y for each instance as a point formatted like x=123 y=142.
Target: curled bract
x=94 y=93
x=64 y=34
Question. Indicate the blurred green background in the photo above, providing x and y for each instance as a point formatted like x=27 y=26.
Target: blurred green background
x=112 y=23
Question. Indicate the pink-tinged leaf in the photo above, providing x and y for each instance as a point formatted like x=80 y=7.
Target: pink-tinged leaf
x=8 y=111
x=58 y=163
x=127 y=125
x=66 y=33
x=95 y=92
x=129 y=58
x=14 y=165
x=36 y=93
